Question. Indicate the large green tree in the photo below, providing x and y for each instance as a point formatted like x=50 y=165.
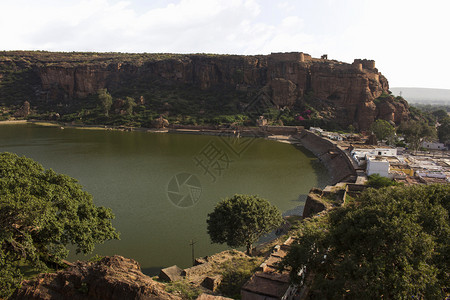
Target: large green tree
x=105 y=99
x=129 y=105
x=241 y=220
x=40 y=213
x=415 y=132
x=444 y=130
x=382 y=130
x=393 y=243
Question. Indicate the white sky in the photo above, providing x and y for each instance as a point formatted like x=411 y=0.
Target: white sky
x=408 y=39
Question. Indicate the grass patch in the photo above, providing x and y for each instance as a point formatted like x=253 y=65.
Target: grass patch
x=184 y=289
x=236 y=272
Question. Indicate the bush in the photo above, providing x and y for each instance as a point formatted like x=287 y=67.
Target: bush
x=376 y=181
x=184 y=289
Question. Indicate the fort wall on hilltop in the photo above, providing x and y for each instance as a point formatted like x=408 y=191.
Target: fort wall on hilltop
x=289 y=57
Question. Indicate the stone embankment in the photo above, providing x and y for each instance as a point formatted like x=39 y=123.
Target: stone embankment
x=338 y=163
x=334 y=158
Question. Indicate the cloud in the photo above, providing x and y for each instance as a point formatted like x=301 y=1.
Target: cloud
x=405 y=37
x=100 y=25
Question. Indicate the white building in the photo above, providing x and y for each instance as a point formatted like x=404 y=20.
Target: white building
x=317 y=130
x=361 y=152
x=434 y=146
x=332 y=135
x=377 y=165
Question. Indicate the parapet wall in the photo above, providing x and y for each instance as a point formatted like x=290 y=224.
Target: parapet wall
x=365 y=63
x=281 y=130
x=289 y=56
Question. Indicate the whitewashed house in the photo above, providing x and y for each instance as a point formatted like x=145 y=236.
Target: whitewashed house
x=360 y=153
x=377 y=165
x=434 y=146
x=316 y=130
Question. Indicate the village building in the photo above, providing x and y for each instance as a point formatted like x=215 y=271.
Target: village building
x=377 y=165
x=430 y=169
x=360 y=153
x=434 y=146
x=316 y=130
x=335 y=136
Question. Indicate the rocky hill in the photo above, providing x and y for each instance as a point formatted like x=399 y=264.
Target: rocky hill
x=348 y=94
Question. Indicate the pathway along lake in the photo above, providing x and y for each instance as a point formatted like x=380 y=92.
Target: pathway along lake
x=135 y=174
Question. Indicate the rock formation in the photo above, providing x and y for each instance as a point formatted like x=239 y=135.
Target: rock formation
x=160 y=122
x=350 y=93
x=24 y=111
x=112 y=277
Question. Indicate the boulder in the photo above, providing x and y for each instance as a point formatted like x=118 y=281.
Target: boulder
x=171 y=274
x=212 y=282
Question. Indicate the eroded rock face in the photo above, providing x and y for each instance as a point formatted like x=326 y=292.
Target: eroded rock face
x=347 y=92
x=112 y=277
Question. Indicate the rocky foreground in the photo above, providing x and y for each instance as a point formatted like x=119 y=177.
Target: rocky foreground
x=110 y=278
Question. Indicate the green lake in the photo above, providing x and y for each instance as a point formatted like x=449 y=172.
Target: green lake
x=161 y=186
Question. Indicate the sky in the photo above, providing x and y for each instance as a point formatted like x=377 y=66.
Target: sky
x=408 y=39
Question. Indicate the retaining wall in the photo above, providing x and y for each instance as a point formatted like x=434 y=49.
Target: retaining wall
x=335 y=160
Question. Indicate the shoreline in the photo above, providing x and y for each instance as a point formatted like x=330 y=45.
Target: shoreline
x=333 y=157
x=6 y=122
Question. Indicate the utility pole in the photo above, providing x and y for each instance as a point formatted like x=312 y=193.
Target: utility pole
x=192 y=243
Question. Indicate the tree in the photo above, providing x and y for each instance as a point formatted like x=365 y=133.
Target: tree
x=382 y=129
x=393 y=243
x=241 y=220
x=105 y=99
x=440 y=114
x=415 y=132
x=351 y=128
x=443 y=130
x=40 y=213
x=129 y=105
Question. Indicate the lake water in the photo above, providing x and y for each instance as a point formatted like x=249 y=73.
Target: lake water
x=161 y=187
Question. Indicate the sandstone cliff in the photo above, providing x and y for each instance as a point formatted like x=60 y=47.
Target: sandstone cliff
x=347 y=93
x=113 y=277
